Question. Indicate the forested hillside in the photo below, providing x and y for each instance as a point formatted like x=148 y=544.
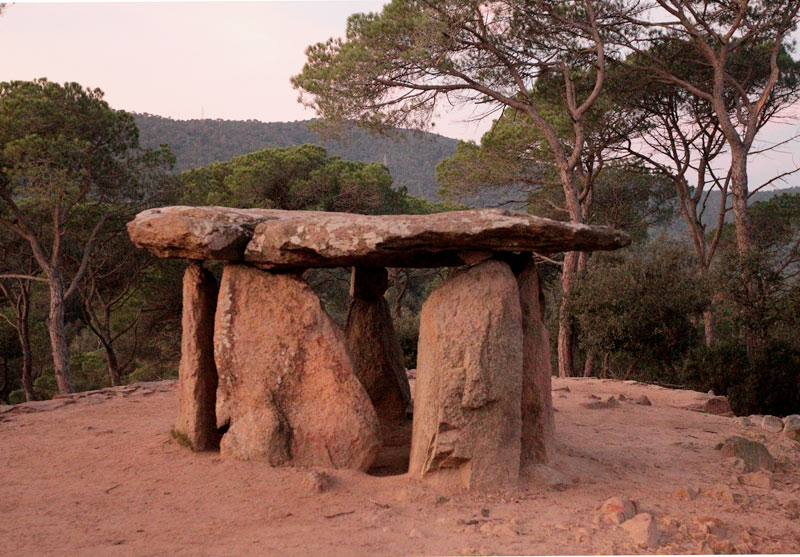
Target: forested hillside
x=411 y=156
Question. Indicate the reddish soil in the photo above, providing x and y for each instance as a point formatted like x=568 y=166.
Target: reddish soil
x=104 y=476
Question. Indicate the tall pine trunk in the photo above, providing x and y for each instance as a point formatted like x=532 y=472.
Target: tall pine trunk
x=58 y=335
x=566 y=341
x=739 y=191
x=27 y=358
x=113 y=364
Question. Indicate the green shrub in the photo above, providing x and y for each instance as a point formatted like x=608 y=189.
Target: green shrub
x=16 y=397
x=152 y=373
x=768 y=382
x=407 y=331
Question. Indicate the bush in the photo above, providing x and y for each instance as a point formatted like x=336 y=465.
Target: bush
x=152 y=373
x=16 y=397
x=640 y=308
x=407 y=331
x=768 y=382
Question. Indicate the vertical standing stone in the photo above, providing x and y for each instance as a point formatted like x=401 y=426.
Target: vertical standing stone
x=538 y=423
x=377 y=357
x=286 y=383
x=197 y=374
x=467 y=412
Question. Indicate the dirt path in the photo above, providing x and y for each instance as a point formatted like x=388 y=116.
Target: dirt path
x=103 y=476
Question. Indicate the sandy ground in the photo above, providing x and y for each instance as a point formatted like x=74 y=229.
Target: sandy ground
x=103 y=476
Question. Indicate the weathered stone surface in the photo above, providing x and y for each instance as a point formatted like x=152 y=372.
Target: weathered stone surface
x=760 y=478
x=791 y=427
x=467 y=421
x=197 y=373
x=754 y=454
x=201 y=233
x=286 y=382
x=772 y=424
x=619 y=509
x=338 y=239
x=377 y=357
x=538 y=421
x=643 y=530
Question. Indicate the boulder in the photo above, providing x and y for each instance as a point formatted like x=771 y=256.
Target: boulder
x=791 y=427
x=437 y=240
x=717 y=405
x=467 y=422
x=772 y=424
x=377 y=357
x=538 y=422
x=286 y=382
x=197 y=372
x=754 y=454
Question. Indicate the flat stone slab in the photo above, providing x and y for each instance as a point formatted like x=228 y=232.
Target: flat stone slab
x=202 y=233
x=275 y=239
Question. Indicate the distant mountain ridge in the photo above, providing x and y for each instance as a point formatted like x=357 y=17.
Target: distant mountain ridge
x=411 y=156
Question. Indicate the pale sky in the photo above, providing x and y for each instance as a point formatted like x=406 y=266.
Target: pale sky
x=229 y=60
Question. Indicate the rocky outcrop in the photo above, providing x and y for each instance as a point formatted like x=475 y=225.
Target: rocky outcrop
x=538 y=421
x=467 y=414
x=286 y=382
x=197 y=373
x=377 y=357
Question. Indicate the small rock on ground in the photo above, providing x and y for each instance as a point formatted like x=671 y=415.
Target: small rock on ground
x=754 y=454
x=643 y=530
x=772 y=424
x=317 y=482
x=761 y=479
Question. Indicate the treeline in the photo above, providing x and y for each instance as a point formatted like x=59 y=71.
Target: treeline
x=410 y=156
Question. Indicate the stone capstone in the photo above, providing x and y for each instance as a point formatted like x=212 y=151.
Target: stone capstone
x=467 y=411
x=377 y=357
x=287 y=390
x=197 y=372
x=200 y=233
x=275 y=239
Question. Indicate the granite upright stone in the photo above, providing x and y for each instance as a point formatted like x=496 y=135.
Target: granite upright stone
x=286 y=384
x=467 y=413
x=197 y=373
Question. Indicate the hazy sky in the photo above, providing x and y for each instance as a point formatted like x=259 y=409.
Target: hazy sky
x=229 y=60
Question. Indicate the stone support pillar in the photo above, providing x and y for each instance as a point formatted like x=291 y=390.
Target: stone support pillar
x=286 y=383
x=377 y=357
x=538 y=423
x=467 y=413
x=197 y=373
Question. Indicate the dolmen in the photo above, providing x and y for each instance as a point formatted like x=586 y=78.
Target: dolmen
x=265 y=373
